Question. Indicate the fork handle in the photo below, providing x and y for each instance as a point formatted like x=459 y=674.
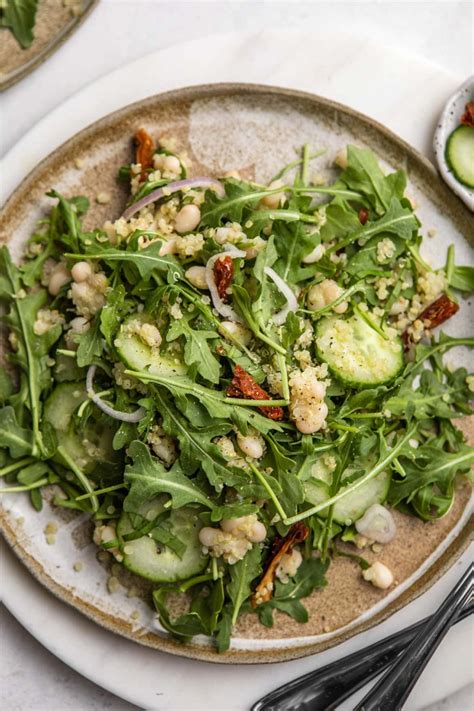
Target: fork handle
x=325 y=688
x=392 y=690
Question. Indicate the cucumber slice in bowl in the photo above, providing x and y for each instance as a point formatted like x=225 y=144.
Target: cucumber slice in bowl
x=460 y=155
x=145 y=557
x=356 y=354
x=137 y=355
x=353 y=506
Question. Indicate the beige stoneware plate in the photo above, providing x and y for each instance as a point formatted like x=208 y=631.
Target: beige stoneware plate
x=255 y=129
x=55 y=22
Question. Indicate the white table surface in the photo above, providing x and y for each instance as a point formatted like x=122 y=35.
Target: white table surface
x=30 y=677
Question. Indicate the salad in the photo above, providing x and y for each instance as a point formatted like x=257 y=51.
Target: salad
x=236 y=381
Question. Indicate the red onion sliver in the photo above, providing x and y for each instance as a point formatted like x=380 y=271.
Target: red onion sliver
x=166 y=190
x=116 y=414
x=291 y=302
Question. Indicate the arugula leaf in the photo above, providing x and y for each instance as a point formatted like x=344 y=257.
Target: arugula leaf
x=91 y=344
x=196 y=447
x=148 y=478
x=32 y=351
x=6 y=385
x=264 y=305
x=224 y=629
x=442 y=396
x=309 y=577
x=364 y=175
x=428 y=482
x=13 y=437
x=20 y=17
x=111 y=315
x=242 y=574
x=365 y=263
x=238 y=196
x=146 y=261
x=398 y=220
x=462 y=278
x=213 y=401
x=196 y=350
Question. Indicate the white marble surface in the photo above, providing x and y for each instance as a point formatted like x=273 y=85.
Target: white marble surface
x=30 y=677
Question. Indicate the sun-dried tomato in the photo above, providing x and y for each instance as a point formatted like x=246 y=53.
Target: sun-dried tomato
x=245 y=386
x=223 y=275
x=467 y=119
x=264 y=590
x=363 y=215
x=434 y=315
x=144 y=151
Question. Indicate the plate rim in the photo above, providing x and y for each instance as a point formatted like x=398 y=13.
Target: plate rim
x=458 y=212
x=24 y=70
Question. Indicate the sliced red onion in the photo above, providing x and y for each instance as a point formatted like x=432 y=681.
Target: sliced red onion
x=166 y=190
x=223 y=309
x=116 y=414
x=377 y=524
x=291 y=302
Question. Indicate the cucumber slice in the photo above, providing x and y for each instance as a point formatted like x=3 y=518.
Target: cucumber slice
x=137 y=355
x=59 y=410
x=353 y=506
x=460 y=154
x=143 y=557
x=356 y=354
x=62 y=404
x=66 y=369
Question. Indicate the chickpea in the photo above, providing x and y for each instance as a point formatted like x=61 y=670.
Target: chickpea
x=379 y=575
x=274 y=201
x=187 y=219
x=197 y=277
x=81 y=271
x=241 y=334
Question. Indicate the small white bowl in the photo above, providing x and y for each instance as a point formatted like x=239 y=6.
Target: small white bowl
x=448 y=121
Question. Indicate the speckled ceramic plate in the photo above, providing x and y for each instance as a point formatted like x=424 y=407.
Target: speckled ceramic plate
x=255 y=129
x=54 y=24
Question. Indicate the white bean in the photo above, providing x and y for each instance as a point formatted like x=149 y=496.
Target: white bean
x=251 y=445
x=379 y=575
x=197 y=277
x=274 y=201
x=241 y=334
x=79 y=325
x=230 y=525
x=81 y=271
x=187 y=219
x=168 y=247
x=207 y=536
x=258 y=533
x=171 y=164
x=59 y=277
